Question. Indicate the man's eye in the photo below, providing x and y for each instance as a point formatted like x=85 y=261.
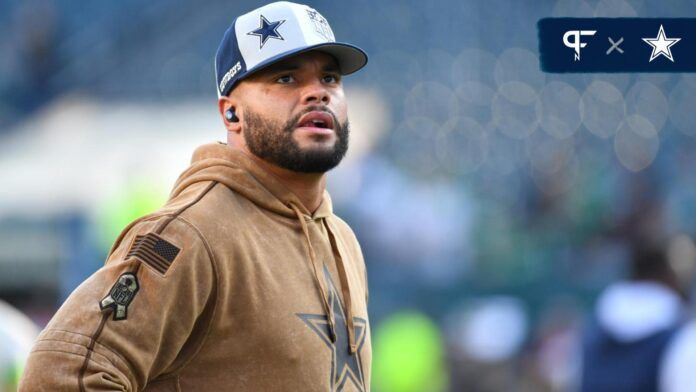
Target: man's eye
x=285 y=79
x=330 y=79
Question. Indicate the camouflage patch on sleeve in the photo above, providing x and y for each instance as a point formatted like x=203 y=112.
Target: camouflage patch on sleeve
x=121 y=295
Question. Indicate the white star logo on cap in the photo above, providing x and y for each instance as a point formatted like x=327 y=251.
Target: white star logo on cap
x=661 y=45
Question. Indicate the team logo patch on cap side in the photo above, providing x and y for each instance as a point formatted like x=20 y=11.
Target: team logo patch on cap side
x=121 y=295
x=154 y=251
x=267 y=30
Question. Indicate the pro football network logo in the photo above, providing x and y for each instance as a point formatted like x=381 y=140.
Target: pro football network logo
x=576 y=44
x=617 y=45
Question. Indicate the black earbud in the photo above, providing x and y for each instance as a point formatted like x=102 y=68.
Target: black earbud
x=230 y=116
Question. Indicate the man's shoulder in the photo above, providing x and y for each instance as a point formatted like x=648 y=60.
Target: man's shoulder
x=194 y=196
x=161 y=233
x=206 y=202
x=210 y=209
x=170 y=222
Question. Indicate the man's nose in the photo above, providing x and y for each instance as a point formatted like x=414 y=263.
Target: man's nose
x=315 y=93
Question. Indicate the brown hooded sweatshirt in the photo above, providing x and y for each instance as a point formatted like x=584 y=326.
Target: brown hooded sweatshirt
x=231 y=286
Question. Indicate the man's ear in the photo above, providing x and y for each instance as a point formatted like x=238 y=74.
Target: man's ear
x=225 y=104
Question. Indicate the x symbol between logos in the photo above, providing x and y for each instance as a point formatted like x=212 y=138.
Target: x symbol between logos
x=615 y=45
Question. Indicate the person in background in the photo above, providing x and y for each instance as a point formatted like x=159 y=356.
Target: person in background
x=639 y=338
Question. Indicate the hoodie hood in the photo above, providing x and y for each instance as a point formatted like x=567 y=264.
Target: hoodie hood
x=233 y=168
x=238 y=171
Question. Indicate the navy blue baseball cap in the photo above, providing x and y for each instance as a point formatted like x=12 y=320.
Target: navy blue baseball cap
x=272 y=33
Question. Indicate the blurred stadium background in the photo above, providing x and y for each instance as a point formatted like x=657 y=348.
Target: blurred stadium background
x=491 y=200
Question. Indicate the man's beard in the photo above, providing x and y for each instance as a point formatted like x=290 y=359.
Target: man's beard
x=274 y=143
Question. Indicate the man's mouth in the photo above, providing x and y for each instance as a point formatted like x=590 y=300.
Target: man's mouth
x=317 y=119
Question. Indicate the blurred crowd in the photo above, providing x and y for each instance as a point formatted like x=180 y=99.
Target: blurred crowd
x=509 y=218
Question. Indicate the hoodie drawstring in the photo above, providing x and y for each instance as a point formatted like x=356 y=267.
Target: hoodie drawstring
x=315 y=267
x=346 y=291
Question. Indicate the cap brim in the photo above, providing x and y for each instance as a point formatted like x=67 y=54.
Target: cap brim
x=350 y=58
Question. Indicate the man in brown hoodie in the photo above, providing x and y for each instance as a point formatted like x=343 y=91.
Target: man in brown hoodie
x=245 y=280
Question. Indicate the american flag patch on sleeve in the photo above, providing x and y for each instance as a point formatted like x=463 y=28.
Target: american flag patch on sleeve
x=154 y=251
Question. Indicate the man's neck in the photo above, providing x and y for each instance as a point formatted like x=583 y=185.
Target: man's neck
x=308 y=187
